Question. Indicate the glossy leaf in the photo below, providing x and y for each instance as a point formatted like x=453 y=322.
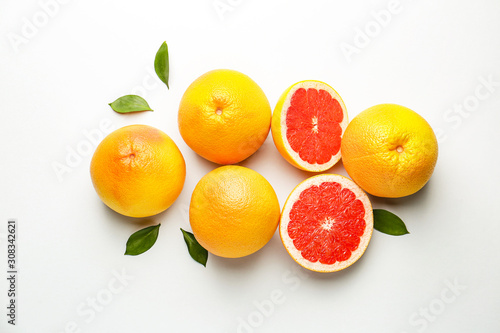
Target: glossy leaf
x=142 y=240
x=130 y=103
x=161 y=63
x=388 y=223
x=197 y=252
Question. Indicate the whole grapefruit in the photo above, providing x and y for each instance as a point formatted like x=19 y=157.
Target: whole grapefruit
x=389 y=150
x=138 y=171
x=224 y=116
x=234 y=211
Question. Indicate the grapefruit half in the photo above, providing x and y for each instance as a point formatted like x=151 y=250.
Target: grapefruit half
x=307 y=125
x=326 y=223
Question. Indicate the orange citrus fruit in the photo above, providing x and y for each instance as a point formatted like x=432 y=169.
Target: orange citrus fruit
x=326 y=223
x=138 y=171
x=307 y=126
x=234 y=211
x=224 y=116
x=389 y=150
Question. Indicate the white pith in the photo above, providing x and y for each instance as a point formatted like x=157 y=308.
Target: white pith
x=314 y=122
x=328 y=224
x=285 y=219
x=284 y=110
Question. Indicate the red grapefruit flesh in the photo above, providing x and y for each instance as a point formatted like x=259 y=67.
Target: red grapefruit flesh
x=308 y=124
x=326 y=223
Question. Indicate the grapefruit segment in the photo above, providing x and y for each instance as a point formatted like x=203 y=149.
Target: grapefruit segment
x=326 y=223
x=308 y=123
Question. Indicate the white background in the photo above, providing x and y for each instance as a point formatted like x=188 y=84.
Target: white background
x=57 y=79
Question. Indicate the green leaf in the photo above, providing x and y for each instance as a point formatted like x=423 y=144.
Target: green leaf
x=161 y=63
x=197 y=252
x=130 y=103
x=388 y=223
x=142 y=240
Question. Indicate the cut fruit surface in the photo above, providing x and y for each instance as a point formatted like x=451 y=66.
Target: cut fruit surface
x=308 y=123
x=326 y=223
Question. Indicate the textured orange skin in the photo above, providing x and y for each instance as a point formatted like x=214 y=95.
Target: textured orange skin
x=234 y=211
x=138 y=171
x=370 y=151
x=240 y=129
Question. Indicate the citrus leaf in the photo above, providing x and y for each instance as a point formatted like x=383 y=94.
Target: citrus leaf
x=142 y=240
x=388 y=223
x=161 y=63
x=130 y=103
x=197 y=252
